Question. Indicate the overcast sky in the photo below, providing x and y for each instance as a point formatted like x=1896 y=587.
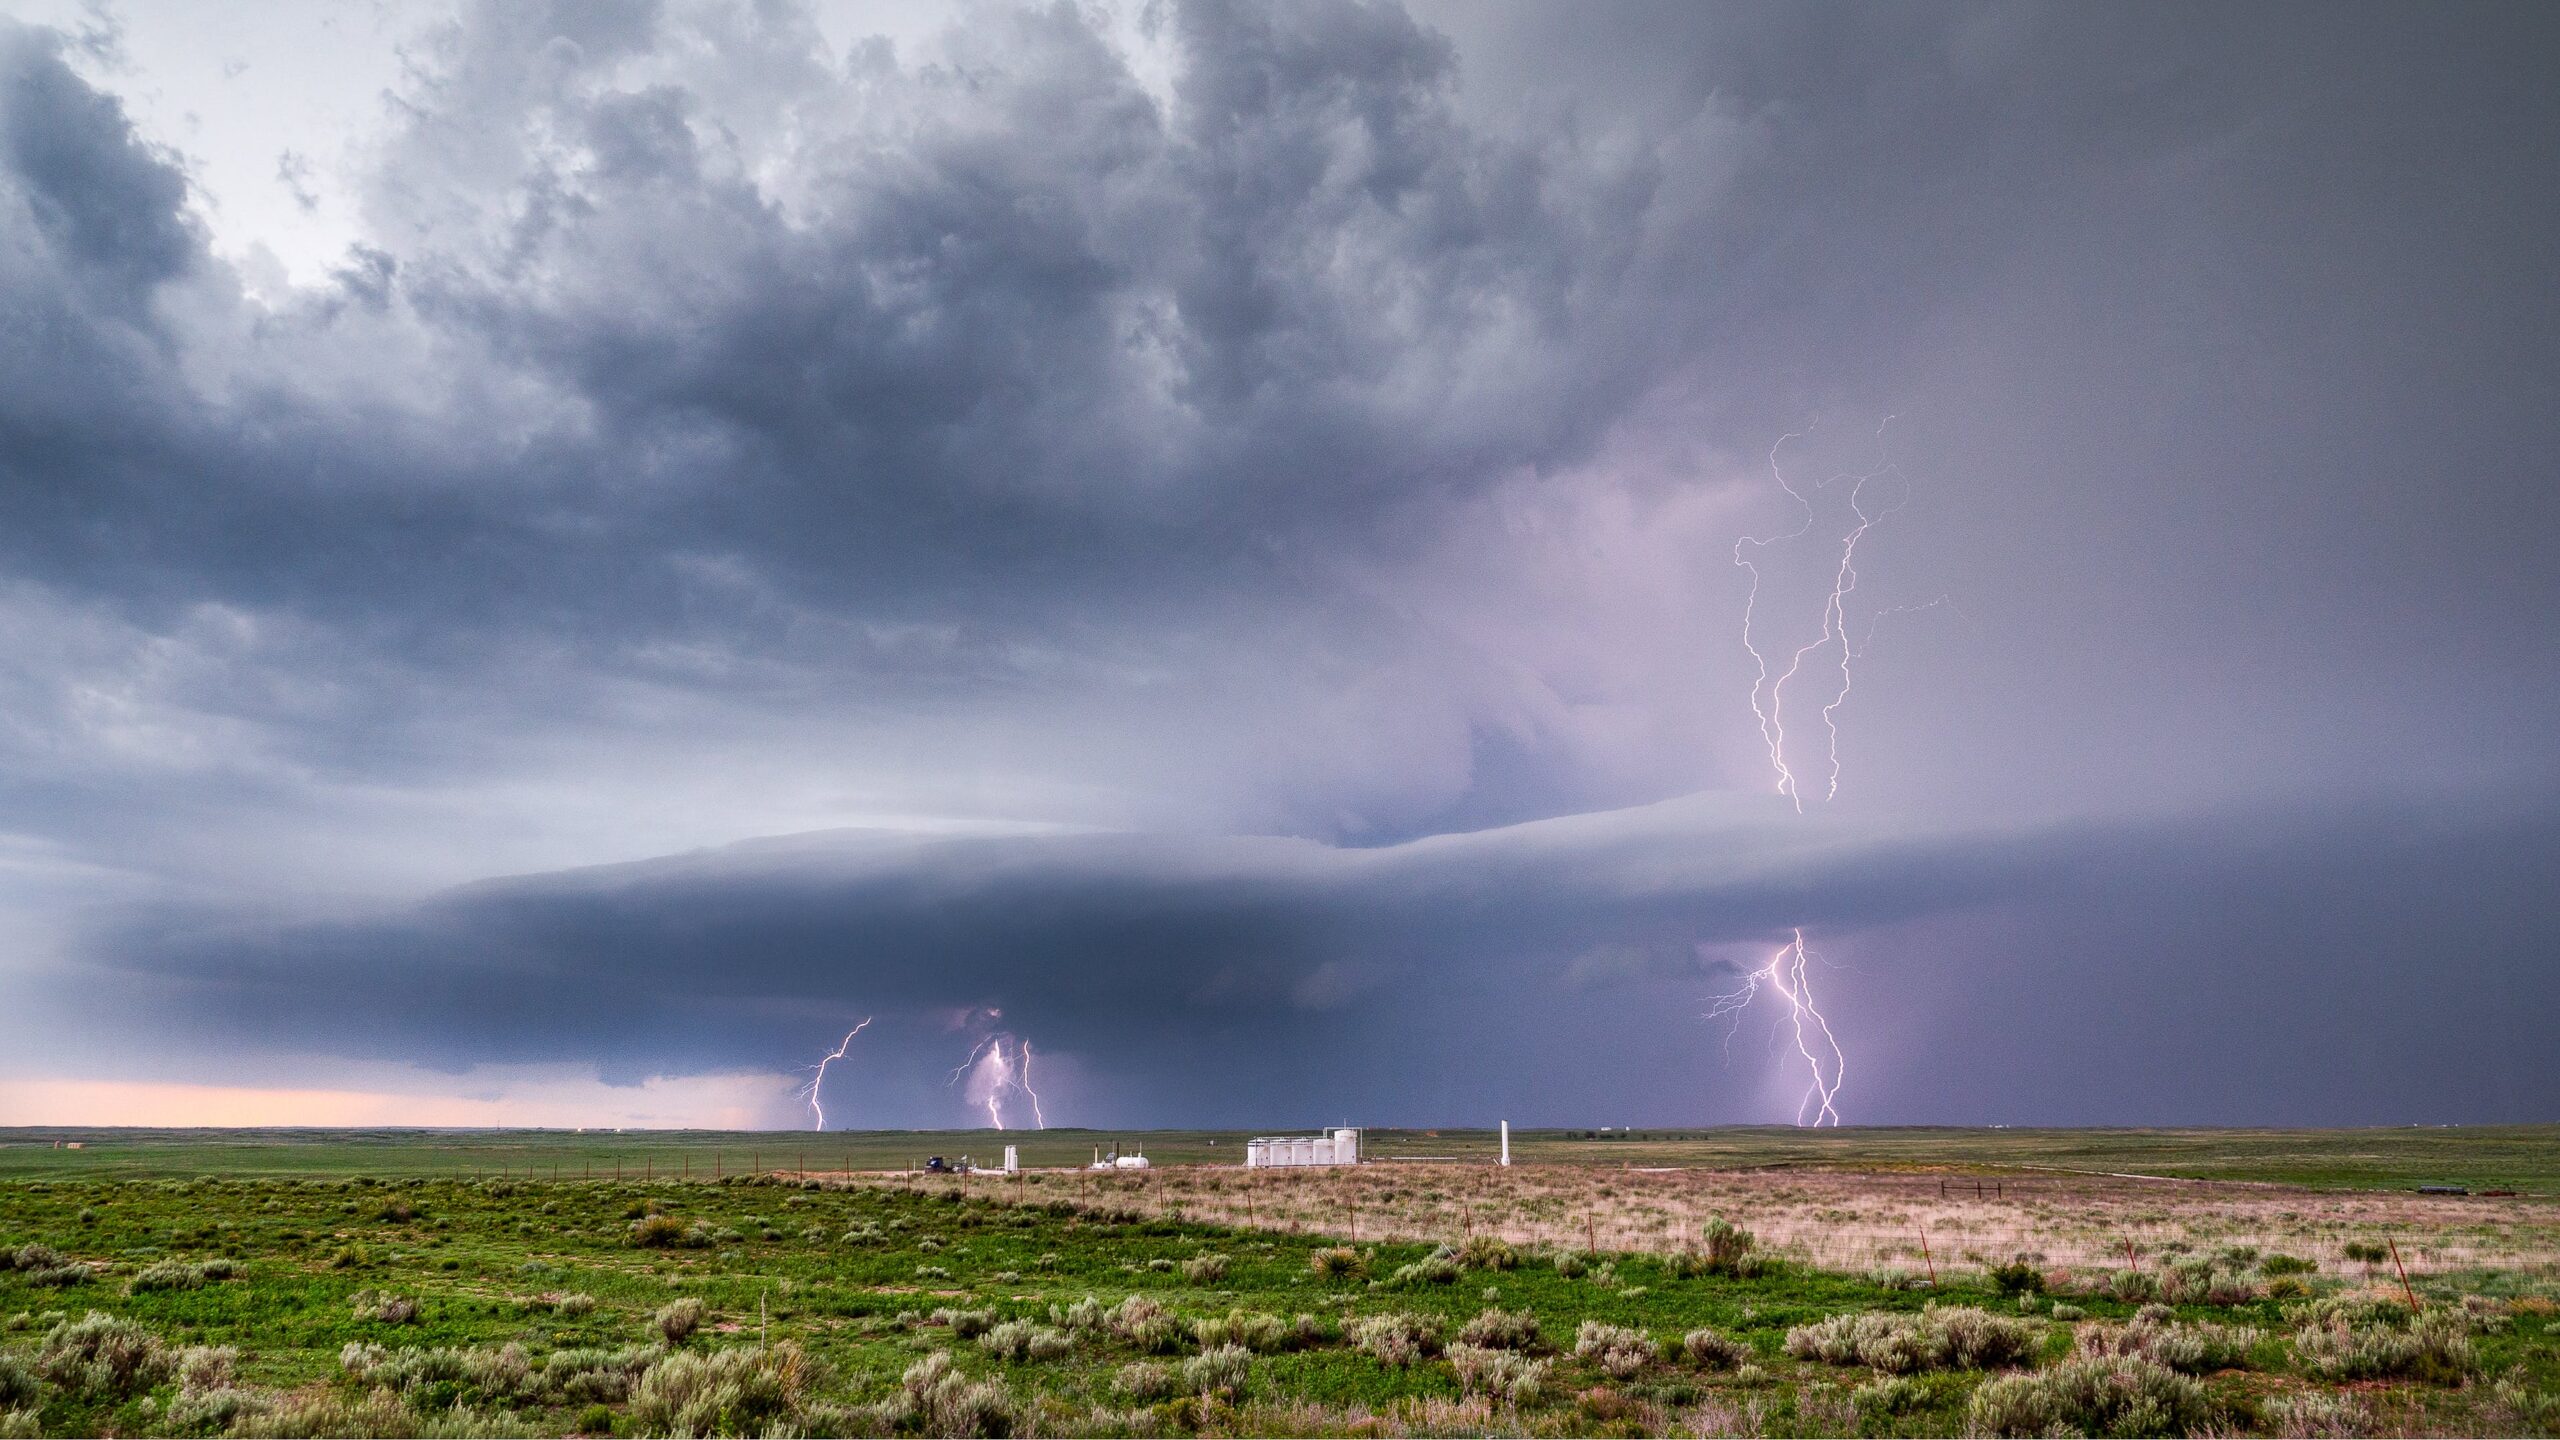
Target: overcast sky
x=554 y=557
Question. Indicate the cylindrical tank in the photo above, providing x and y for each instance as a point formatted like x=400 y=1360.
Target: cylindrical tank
x=1320 y=1150
x=1302 y=1152
x=1257 y=1153
x=1346 y=1147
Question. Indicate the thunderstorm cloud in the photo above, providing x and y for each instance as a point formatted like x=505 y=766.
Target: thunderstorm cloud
x=1201 y=535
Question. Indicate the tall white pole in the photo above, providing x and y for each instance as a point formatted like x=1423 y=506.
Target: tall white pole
x=1506 y=1142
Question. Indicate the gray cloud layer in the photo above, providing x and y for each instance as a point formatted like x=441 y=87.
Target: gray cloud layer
x=1328 y=422
x=1184 y=978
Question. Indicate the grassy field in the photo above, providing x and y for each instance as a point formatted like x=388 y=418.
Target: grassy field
x=289 y=1283
x=2525 y=1157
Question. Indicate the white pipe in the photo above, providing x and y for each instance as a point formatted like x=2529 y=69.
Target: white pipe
x=1506 y=1142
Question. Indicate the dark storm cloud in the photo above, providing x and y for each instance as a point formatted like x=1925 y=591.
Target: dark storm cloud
x=897 y=381
x=679 y=330
x=1012 y=328
x=1320 y=420
x=93 y=223
x=1050 y=335
x=102 y=202
x=1104 y=947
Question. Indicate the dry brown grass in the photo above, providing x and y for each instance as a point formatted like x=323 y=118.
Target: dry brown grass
x=1841 y=1220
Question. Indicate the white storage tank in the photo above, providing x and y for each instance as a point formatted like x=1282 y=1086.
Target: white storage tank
x=1339 y=1147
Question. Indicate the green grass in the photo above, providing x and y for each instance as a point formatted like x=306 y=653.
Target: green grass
x=487 y=1260
x=2522 y=1157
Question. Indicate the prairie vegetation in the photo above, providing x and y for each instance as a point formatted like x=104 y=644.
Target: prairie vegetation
x=1885 y=1223
x=1062 y=1303
x=2515 y=1157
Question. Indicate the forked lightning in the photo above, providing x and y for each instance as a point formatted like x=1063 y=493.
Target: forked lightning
x=1787 y=974
x=817 y=1111
x=991 y=1072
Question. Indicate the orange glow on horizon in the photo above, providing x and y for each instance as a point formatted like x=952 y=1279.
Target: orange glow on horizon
x=711 y=1102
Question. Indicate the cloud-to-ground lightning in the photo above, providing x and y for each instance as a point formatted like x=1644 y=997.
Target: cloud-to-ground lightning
x=1022 y=1077
x=1786 y=974
x=818 y=1111
x=991 y=1073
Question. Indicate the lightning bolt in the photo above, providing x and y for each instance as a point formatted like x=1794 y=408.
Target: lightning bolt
x=963 y=1067
x=1022 y=1077
x=998 y=1073
x=1787 y=974
x=1771 y=710
x=993 y=1047
x=1941 y=602
x=810 y=1092
x=1771 y=732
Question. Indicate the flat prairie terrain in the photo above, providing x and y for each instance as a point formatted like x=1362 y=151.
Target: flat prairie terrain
x=1710 y=1282
x=2517 y=1157
x=1858 y=1220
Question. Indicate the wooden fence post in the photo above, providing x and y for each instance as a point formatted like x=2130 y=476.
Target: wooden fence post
x=2405 y=1287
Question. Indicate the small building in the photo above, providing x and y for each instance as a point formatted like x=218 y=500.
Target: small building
x=1340 y=1147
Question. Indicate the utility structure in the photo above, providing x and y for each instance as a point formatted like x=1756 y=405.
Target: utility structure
x=1270 y=1152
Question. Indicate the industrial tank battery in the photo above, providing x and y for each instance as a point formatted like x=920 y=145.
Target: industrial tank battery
x=1341 y=1147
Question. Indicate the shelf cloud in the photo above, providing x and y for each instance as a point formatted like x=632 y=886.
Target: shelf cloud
x=1207 y=529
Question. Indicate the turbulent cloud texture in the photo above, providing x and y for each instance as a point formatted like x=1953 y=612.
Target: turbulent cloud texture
x=1333 y=972
x=1207 y=529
